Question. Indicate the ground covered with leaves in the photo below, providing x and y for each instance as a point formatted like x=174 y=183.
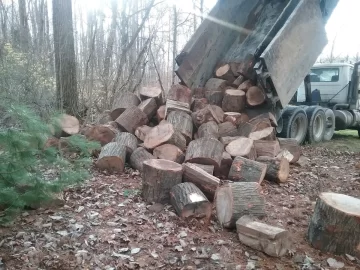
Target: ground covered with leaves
x=106 y=225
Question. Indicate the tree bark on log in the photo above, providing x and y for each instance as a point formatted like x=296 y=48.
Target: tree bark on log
x=164 y=134
x=188 y=201
x=128 y=140
x=234 y=100
x=245 y=129
x=149 y=107
x=207 y=151
x=182 y=122
x=177 y=106
x=138 y=157
x=255 y=96
x=208 y=130
x=209 y=113
x=142 y=131
x=292 y=146
x=227 y=129
x=234 y=200
x=334 y=226
x=246 y=170
x=267 y=134
x=122 y=102
x=206 y=182
x=112 y=158
x=169 y=152
x=267 y=148
x=207 y=168
x=215 y=89
x=225 y=73
x=131 y=119
x=243 y=147
x=236 y=118
x=277 y=169
x=160 y=114
x=180 y=93
x=159 y=176
x=152 y=92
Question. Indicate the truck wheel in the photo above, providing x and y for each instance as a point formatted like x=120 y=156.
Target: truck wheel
x=317 y=124
x=295 y=124
x=330 y=125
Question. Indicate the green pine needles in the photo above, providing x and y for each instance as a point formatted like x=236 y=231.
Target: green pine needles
x=30 y=173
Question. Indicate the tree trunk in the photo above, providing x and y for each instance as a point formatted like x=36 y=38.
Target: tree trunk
x=267 y=134
x=242 y=147
x=159 y=176
x=24 y=27
x=142 y=131
x=267 y=148
x=65 y=61
x=234 y=200
x=208 y=130
x=149 y=107
x=112 y=157
x=122 y=102
x=246 y=170
x=182 y=122
x=277 y=169
x=103 y=134
x=169 y=152
x=152 y=92
x=292 y=146
x=188 y=201
x=138 y=157
x=255 y=96
x=334 y=226
x=180 y=93
x=131 y=119
x=128 y=140
x=234 y=101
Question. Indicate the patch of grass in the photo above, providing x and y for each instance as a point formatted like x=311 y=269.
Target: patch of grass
x=344 y=140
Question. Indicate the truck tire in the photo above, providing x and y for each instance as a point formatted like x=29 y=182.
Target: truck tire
x=295 y=124
x=330 y=125
x=317 y=124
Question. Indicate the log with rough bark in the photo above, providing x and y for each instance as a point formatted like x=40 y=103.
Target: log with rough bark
x=277 y=169
x=206 y=182
x=209 y=113
x=122 y=102
x=101 y=133
x=131 y=119
x=238 y=81
x=267 y=148
x=66 y=125
x=243 y=147
x=169 y=152
x=188 y=201
x=255 y=96
x=164 y=134
x=160 y=114
x=149 y=107
x=207 y=151
x=225 y=166
x=246 y=170
x=152 y=92
x=180 y=93
x=234 y=100
x=234 y=200
x=227 y=129
x=112 y=158
x=128 y=140
x=225 y=73
x=138 y=157
x=236 y=118
x=244 y=86
x=159 y=176
x=177 y=106
x=199 y=104
x=334 y=226
x=228 y=139
x=142 y=131
x=208 y=130
x=215 y=89
x=273 y=241
x=182 y=122
x=207 y=168
x=292 y=146
x=267 y=134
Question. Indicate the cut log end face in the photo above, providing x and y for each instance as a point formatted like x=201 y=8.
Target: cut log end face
x=166 y=165
x=255 y=96
x=221 y=71
x=240 y=147
x=69 y=124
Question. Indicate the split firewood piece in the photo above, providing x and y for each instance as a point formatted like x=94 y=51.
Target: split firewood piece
x=208 y=130
x=277 y=169
x=128 y=140
x=273 y=241
x=199 y=92
x=199 y=104
x=245 y=129
x=164 y=134
x=209 y=113
x=122 y=102
x=149 y=107
x=226 y=163
x=236 y=118
x=159 y=176
x=334 y=226
x=264 y=116
x=138 y=157
x=227 y=129
x=225 y=73
x=160 y=114
x=206 y=182
x=180 y=93
x=206 y=151
x=131 y=118
x=255 y=96
x=207 y=168
x=152 y=92
x=234 y=100
x=234 y=200
x=177 y=106
x=228 y=139
x=243 y=147
x=267 y=148
x=101 y=133
x=112 y=157
x=188 y=201
x=245 y=86
x=68 y=125
x=238 y=81
x=182 y=122
x=169 y=152
x=142 y=131
x=292 y=146
x=267 y=134
x=246 y=170
x=103 y=118
x=215 y=89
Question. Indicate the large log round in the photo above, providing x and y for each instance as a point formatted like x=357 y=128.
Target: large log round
x=243 y=147
x=132 y=118
x=182 y=122
x=169 y=152
x=292 y=146
x=69 y=125
x=255 y=96
x=101 y=133
x=180 y=93
x=112 y=157
x=138 y=157
x=278 y=169
x=208 y=130
x=246 y=170
x=122 y=102
x=234 y=100
x=128 y=140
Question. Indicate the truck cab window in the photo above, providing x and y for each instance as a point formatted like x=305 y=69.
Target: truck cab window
x=324 y=75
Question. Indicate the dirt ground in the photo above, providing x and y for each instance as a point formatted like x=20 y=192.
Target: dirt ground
x=106 y=225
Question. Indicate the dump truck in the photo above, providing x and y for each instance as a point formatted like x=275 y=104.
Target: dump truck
x=279 y=41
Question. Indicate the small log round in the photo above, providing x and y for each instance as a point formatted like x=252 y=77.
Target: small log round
x=246 y=170
x=244 y=86
x=132 y=118
x=234 y=200
x=152 y=92
x=164 y=134
x=243 y=147
x=234 y=100
x=138 y=157
x=128 y=140
x=277 y=169
x=149 y=107
x=227 y=129
x=112 y=158
x=101 y=133
x=265 y=134
x=208 y=130
x=255 y=96
x=267 y=148
x=169 y=152
x=122 y=102
x=292 y=146
x=142 y=131
x=160 y=114
x=182 y=122
x=334 y=226
x=225 y=73
x=159 y=176
x=188 y=201
x=69 y=125
x=180 y=93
